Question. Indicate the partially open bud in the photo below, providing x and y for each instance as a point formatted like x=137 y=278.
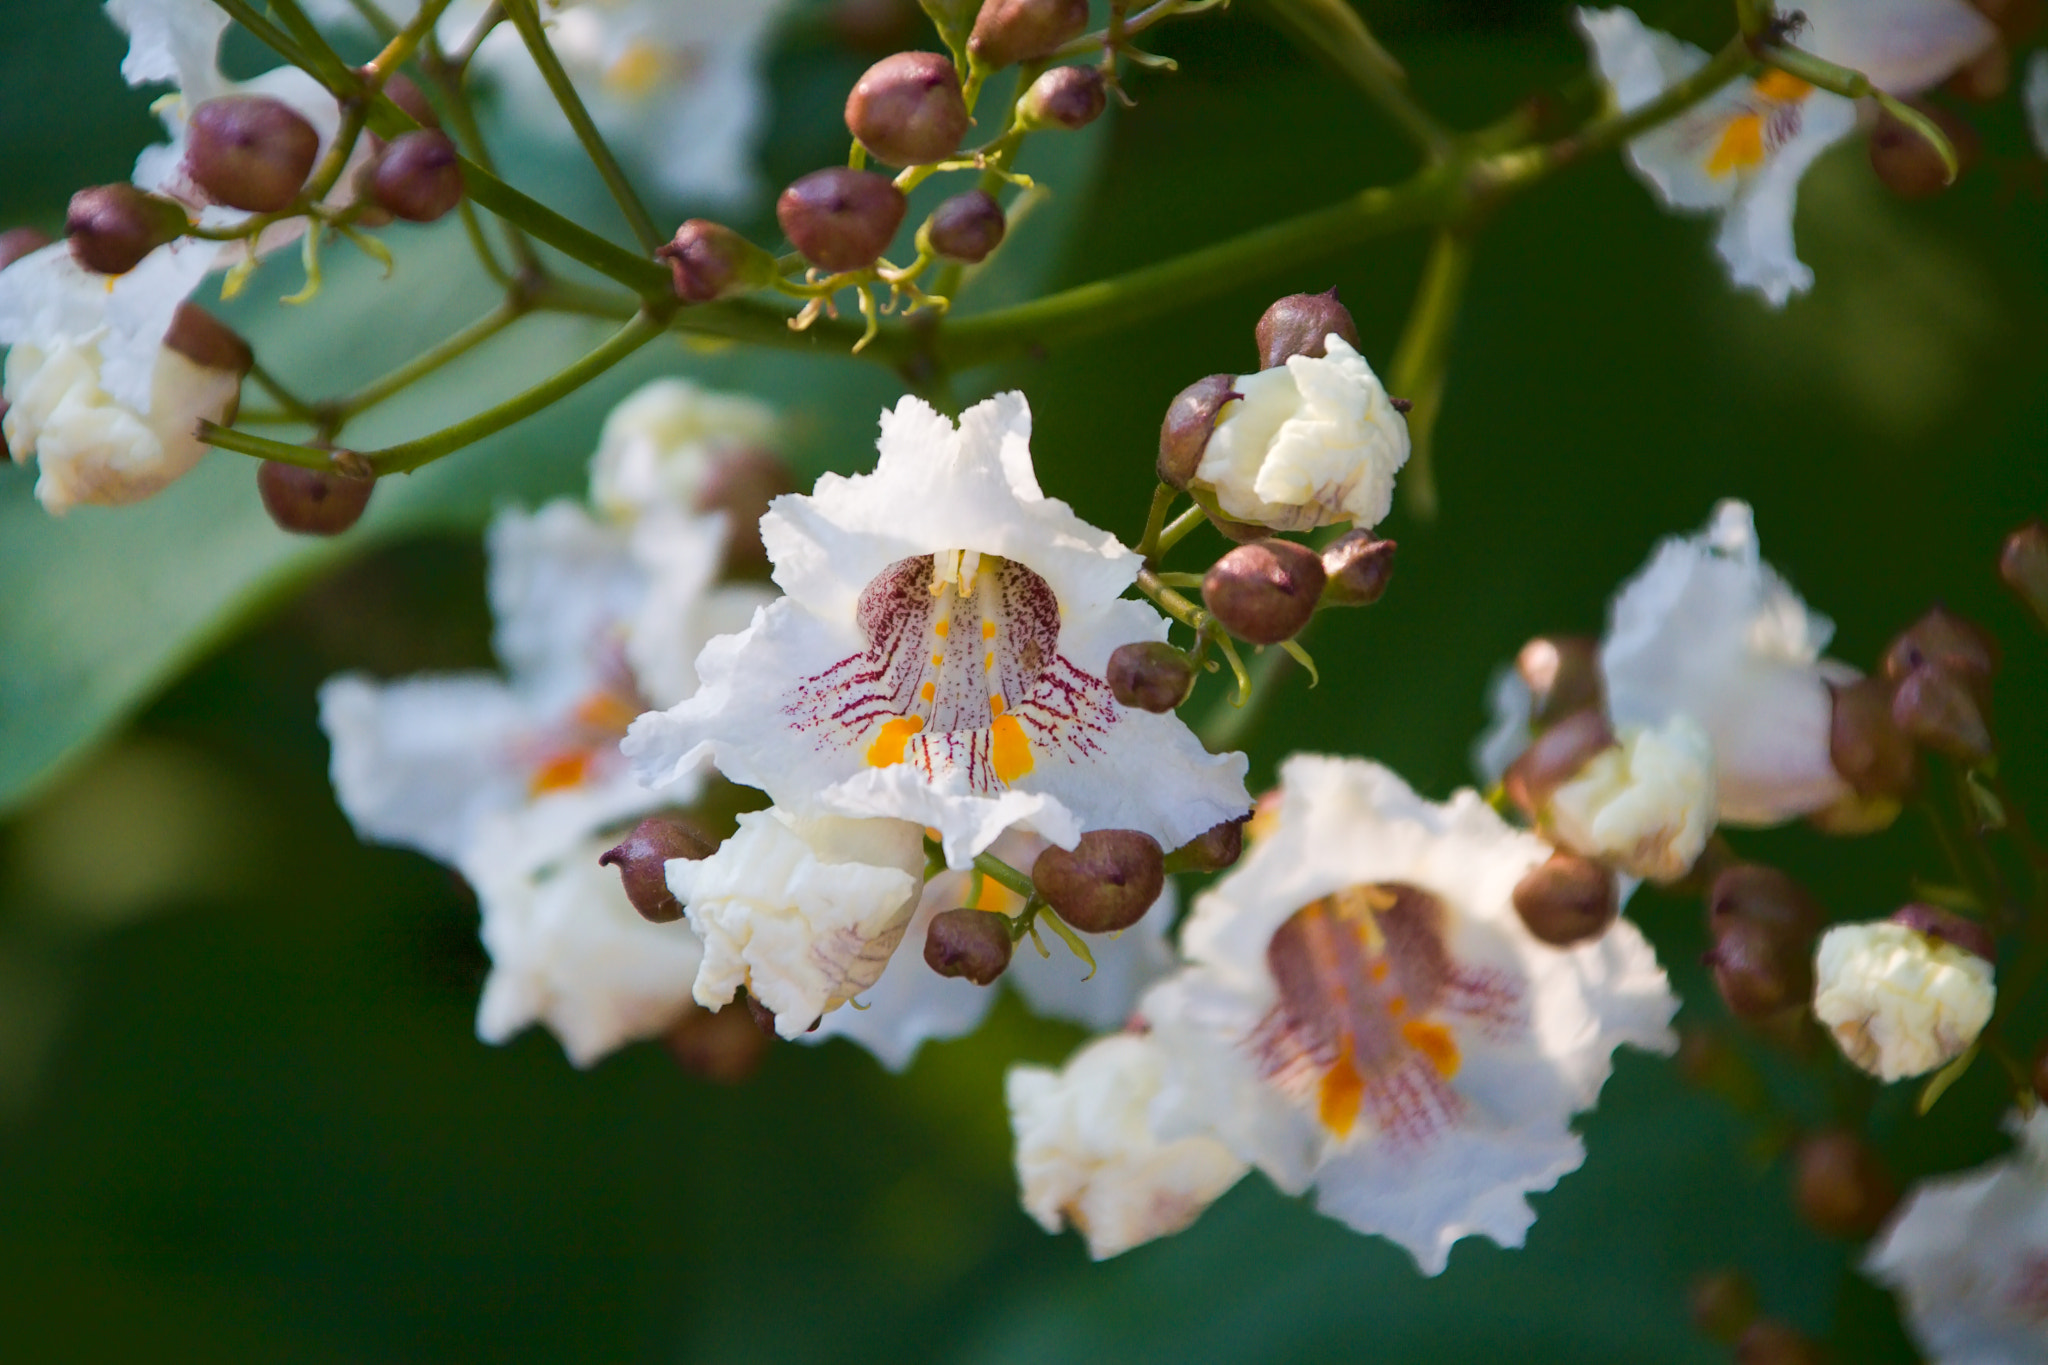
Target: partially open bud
x=1866 y=745
x=1007 y=31
x=723 y=1046
x=1723 y=1305
x=1070 y=97
x=16 y=243
x=1151 y=675
x=1942 y=637
x=840 y=218
x=1984 y=77
x=418 y=177
x=112 y=227
x=1773 y=1343
x=205 y=340
x=1901 y=1001
x=642 y=859
x=1939 y=708
x=1106 y=883
x=1357 y=567
x=1214 y=849
x=250 y=152
x=741 y=482
x=2023 y=564
x=1907 y=164
x=710 y=261
x=1562 y=673
x=1763 y=925
x=966 y=227
x=311 y=502
x=907 y=109
x=1190 y=419
x=1555 y=758
x=1840 y=1186
x=1265 y=592
x=969 y=943
x=1300 y=324
x=1568 y=900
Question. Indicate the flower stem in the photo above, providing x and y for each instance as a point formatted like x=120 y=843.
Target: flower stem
x=1422 y=358
x=1003 y=875
x=1155 y=522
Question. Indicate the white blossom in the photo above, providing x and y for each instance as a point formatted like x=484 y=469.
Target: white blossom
x=660 y=441
x=1365 y=1013
x=939 y=656
x=1309 y=443
x=1900 y=1002
x=1087 y=1156
x=1645 y=805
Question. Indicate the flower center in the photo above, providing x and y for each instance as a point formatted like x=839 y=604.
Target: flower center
x=584 y=744
x=1748 y=138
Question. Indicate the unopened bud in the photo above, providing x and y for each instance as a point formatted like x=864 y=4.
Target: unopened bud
x=1070 y=97
x=907 y=109
x=1945 y=926
x=1562 y=673
x=969 y=943
x=1763 y=926
x=1908 y=164
x=1939 y=708
x=2023 y=564
x=418 y=177
x=1007 y=31
x=250 y=152
x=1840 y=1186
x=204 y=340
x=1568 y=900
x=112 y=227
x=1773 y=1343
x=16 y=243
x=723 y=1046
x=1866 y=745
x=311 y=502
x=1106 y=883
x=1299 y=325
x=1214 y=849
x=411 y=98
x=1151 y=675
x=966 y=227
x=1956 y=643
x=1555 y=757
x=741 y=483
x=710 y=261
x=1723 y=1305
x=643 y=856
x=840 y=218
x=1190 y=420
x=1984 y=77
x=1265 y=592
x=1357 y=567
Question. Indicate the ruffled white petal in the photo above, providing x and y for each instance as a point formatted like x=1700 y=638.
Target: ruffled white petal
x=1899 y=1002
x=1755 y=239
x=1646 y=804
x=659 y=442
x=562 y=587
x=172 y=42
x=1507 y=729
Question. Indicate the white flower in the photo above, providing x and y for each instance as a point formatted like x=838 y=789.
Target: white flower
x=1507 y=727
x=660 y=441
x=1899 y=1002
x=567 y=948
x=1969 y=1256
x=1742 y=151
x=1644 y=805
x=2034 y=95
x=939 y=658
x=1311 y=442
x=1087 y=1157
x=1709 y=630
x=804 y=913
x=1365 y=1013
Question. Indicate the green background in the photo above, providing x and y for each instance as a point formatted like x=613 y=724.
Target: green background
x=242 y=1113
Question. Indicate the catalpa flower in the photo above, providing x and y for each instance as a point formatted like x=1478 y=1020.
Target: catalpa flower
x=1742 y=151
x=1365 y=1013
x=939 y=658
x=662 y=440
x=1900 y=1002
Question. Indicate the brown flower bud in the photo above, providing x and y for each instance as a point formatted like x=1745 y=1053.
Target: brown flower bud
x=1908 y=164
x=1723 y=1305
x=1213 y=850
x=907 y=109
x=763 y=1017
x=1568 y=900
x=1357 y=567
x=1106 y=883
x=112 y=227
x=1070 y=97
x=643 y=856
x=2023 y=564
x=966 y=227
x=1562 y=673
x=969 y=943
x=840 y=218
x=724 y=1046
x=1840 y=1186
x=418 y=177
x=1151 y=675
x=1959 y=645
x=204 y=340
x=1555 y=758
x=16 y=243
x=1190 y=419
x=1763 y=926
x=1007 y=31
x=741 y=483
x=1984 y=77
x=710 y=261
x=1866 y=745
x=1940 y=709
x=1948 y=927
x=250 y=152
x=311 y=502
x=1265 y=592
x=1772 y=1343
x=1300 y=324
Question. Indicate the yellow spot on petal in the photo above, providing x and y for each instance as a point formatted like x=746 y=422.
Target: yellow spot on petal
x=926 y=691
x=1433 y=1041
x=942 y=628
x=938 y=660
x=892 y=739
x=996 y=704
x=988 y=661
x=1783 y=86
x=1378 y=969
x=606 y=711
x=1341 y=1093
x=560 y=772
x=638 y=70
x=988 y=630
x=1397 y=1006
x=1010 y=748
x=1741 y=147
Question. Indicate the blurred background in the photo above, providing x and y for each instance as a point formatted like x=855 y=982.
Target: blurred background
x=243 y=1116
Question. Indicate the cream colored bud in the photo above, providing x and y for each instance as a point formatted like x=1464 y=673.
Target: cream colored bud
x=1900 y=1002
x=1644 y=806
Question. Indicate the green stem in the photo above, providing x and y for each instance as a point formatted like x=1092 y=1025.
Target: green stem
x=1001 y=873
x=1155 y=521
x=1177 y=530
x=296 y=407
x=1334 y=30
x=400 y=46
x=1422 y=358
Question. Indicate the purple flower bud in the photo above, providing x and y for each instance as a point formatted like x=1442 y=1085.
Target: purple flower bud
x=1940 y=708
x=204 y=340
x=907 y=109
x=2022 y=563
x=16 y=243
x=710 y=261
x=1948 y=927
x=741 y=483
x=643 y=857
x=311 y=502
x=966 y=227
x=1839 y=1185
x=250 y=152
x=418 y=177
x=1358 y=566
x=1213 y=850
x=112 y=227
x=1008 y=31
x=1866 y=745
x=969 y=943
x=1763 y=926
x=1151 y=675
x=1106 y=883
x=1299 y=325
x=840 y=218
x=1555 y=758
x=1942 y=637
x=1562 y=673
x=1265 y=592
x=411 y=98
x=1190 y=420
x=1568 y=900
x=1070 y=97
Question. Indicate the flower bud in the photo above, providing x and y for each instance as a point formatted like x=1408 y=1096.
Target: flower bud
x=112 y=227
x=1568 y=900
x=1300 y=324
x=1151 y=675
x=2023 y=564
x=1214 y=849
x=840 y=218
x=1723 y=1305
x=969 y=943
x=412 y=99
x=1938 y=708
x=1984 y=77
x=1944 y=926
x=418 y=177
x=966 y=227
x=642 y=858
x=16 y=243
x=1357 y=567
x=1562 y=673
x=1190 y=419
x=1106 y=883
x=907 y=109
x=724 y=1046
x=1070 y=97
x=741 y=482
x=311 y=502
x=1763 y=925
x=1265 y=592
x=710 y=261
x=1942 y=637
x=250 y=152
x=1555 y=758
x=1773 y=1343
x=1866 y=745
x=763 y=1017
x=1900 y=1002
x=1008 y=31
x=1839 y=1185
x=1756 y=894
x=1907 y=164
x=204 y=340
